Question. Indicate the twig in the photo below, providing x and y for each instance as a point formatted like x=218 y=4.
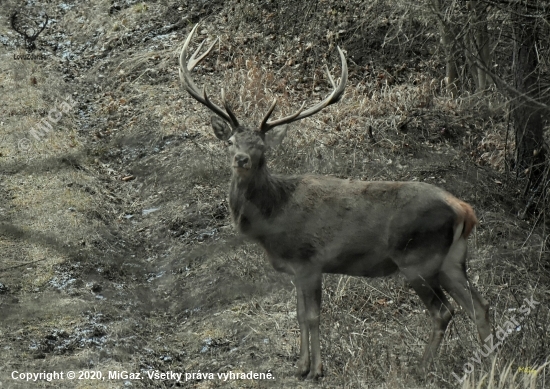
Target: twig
x=22 y=264
x=371 y=135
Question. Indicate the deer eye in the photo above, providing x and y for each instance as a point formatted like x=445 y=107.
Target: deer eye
x=229 y=142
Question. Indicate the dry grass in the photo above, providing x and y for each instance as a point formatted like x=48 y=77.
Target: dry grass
x=524 y=377
x=176 y=289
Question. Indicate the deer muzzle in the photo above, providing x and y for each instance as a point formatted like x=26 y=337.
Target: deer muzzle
x=241 y=161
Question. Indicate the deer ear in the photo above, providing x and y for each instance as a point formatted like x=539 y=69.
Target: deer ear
x=274 y=137
x=221 y=129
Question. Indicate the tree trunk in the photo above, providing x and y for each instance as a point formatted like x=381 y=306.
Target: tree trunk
x=448 y=42
x=451 y=73
x=478 y=45
x=527 y=118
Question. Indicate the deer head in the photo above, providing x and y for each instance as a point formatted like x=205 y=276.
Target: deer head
x=247 y=146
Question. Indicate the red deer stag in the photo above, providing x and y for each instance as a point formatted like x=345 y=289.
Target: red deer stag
x=310 y=225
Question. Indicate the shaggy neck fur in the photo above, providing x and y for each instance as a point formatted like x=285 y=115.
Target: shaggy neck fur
x=255 y=200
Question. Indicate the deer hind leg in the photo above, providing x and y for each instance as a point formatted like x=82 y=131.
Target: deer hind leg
x=308 y=291
x=440 y=310
x=455 y=281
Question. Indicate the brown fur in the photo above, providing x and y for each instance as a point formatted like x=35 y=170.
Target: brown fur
x=465 y=214
x=470 y=219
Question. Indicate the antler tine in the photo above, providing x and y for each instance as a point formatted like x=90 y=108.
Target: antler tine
x=191 y=87
x=195 y=61
x=330 y=77
x=192 y=62
x=267 y=115
x=228 y=108
x=334 y=97
x=265 y=126
x=43 y=27
x=206 y=99
x=13 y=23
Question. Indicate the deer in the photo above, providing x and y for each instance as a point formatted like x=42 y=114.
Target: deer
x=309 y=225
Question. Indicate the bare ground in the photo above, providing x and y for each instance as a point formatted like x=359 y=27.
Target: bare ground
x=118 y=253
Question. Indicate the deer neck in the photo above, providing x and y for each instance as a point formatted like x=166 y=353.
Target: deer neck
x=255 y=201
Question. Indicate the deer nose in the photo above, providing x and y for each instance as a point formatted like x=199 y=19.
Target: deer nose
x=241 y=160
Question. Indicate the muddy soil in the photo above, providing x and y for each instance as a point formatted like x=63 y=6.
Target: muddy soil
x=119 y=262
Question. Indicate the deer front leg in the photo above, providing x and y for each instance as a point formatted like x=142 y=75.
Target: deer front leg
x=303 y=361
x=309 y=309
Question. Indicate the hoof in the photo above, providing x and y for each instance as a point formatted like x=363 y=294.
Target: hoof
x=316 y=373
x=419 y=372
x=314 y=376
x=303 y=369
x=301 y=374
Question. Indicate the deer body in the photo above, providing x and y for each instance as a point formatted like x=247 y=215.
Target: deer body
x=310 y=225
x=357 y=228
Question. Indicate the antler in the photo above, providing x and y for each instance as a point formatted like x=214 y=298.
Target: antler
x=34 y=36
x=13 y=20
x=193 y=90
x=334 y=97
